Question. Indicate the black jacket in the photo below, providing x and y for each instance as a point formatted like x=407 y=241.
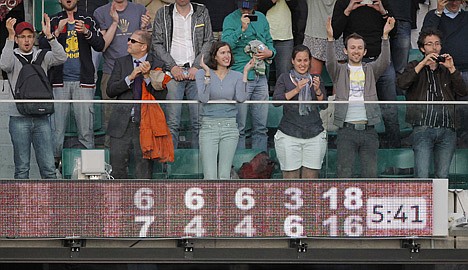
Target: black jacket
x=95 y=41
x=117 y=87
x=364 y=21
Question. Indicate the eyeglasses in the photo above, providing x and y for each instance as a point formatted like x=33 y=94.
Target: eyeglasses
x=26 y=36
x=133 y=41
x=432 y=44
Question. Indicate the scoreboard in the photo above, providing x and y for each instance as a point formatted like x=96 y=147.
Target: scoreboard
x=226 y=209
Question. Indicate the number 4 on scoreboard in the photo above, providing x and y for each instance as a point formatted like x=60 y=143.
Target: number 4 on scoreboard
x=245 y=227
x=195 y=227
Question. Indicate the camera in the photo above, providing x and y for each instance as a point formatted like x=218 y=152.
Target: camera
x=440 y=59
x=252 y=17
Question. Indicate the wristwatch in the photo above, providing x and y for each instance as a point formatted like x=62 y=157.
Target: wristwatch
x=385 y=14
x=52 y=38
x=438 y=13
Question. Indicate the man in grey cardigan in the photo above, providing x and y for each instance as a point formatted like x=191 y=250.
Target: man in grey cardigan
x=181 y=35
x=355 y=82
x=26 y=130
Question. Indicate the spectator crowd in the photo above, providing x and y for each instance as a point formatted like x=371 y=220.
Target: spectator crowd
x=220 y=54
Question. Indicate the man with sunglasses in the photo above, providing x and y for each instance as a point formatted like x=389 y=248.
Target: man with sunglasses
x=434 y=78
x=125 y=83
x=74 y=80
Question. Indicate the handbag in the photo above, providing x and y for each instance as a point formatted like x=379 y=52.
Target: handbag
x=328 y=115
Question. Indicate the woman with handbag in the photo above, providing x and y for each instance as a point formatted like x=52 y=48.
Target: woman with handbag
x=301 y=141
x=219 y=134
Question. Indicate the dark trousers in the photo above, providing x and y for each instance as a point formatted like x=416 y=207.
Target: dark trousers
x=122 y=148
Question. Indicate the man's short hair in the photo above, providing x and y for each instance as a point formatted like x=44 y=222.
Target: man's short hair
x=353 y=36
x=145 y=38
x=425 y=33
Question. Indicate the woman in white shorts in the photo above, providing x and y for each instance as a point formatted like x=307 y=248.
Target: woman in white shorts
x=301 y=141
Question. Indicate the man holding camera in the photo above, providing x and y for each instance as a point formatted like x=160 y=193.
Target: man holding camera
x=434 y=78
x=451 y=20
x=242 y=29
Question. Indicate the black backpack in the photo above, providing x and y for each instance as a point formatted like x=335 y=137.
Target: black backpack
x=33 y=83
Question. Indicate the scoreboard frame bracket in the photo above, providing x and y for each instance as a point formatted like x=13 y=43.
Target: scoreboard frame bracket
x=75 y=246
x=300 y=246
x=411 y=244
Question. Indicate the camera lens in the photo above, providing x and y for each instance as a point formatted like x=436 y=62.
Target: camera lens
x=440 y=59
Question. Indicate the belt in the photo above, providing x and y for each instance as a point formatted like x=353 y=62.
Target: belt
x=358 y=126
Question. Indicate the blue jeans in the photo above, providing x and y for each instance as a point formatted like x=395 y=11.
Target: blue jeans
x=256 y=90
x=437 y=142
x=83 y=112
x=282 y=58
x=386 y=90
x=350 y=144
x=176 y=91
x=400 y=45
x=35 y=130
x=218 y=143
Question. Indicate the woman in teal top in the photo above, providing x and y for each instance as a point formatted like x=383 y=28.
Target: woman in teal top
x=219 y=134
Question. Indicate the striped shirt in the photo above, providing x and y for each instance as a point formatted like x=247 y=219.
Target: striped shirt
x=435 y=115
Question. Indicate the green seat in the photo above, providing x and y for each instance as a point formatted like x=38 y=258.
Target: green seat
x=274 y=115
x=327 y=81
x=69 y=155
x=458 y=172
x=186 y=165
x=415 y=55
x=158 y=171
x=329 y=165
x=395 y=163
x=405 y=127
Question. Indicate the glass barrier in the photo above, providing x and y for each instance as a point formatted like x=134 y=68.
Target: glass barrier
x=359 y=150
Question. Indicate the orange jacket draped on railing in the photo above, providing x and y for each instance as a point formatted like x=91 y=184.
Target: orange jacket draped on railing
x=155 y=137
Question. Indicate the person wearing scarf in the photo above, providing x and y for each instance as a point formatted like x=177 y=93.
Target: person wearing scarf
x=301 y=141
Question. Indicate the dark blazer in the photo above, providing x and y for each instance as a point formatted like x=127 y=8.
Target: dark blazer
x=117 y=87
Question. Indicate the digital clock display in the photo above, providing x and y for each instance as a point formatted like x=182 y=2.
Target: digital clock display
x=228 y=209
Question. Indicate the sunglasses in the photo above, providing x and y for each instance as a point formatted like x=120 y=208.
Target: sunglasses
x=133 y=41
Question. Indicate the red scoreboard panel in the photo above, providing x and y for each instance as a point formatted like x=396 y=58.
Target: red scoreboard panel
x=228 y=209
